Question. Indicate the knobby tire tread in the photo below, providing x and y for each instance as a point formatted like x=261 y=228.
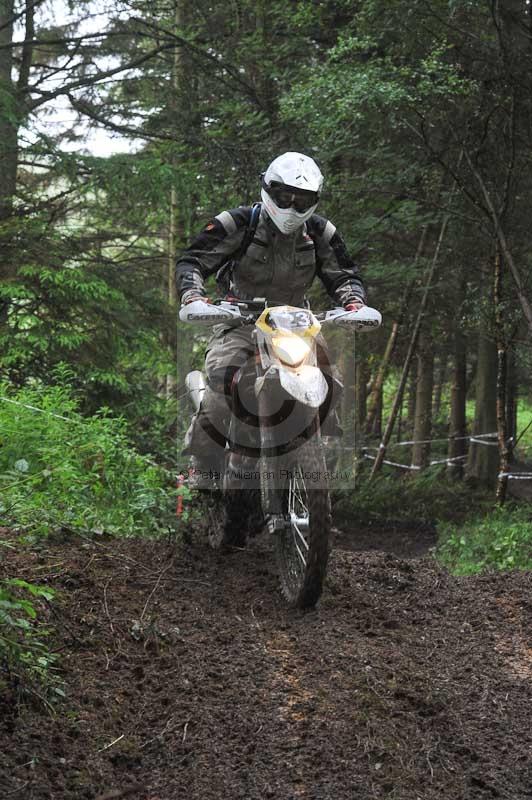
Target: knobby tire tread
x=306 y=593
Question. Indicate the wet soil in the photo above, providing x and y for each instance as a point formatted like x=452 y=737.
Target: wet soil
x=187 y=677
x=402 y=538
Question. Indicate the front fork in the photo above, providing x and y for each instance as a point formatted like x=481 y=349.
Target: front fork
x=276 y=456
x=270 y=478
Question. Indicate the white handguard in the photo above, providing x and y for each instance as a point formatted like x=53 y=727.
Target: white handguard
x=202 y=313
x=365 y=319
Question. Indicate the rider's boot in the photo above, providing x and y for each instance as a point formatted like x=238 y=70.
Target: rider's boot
x=205 y=442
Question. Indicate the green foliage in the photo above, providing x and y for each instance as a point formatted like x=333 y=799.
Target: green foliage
x=26 y=663
x=72 y=303
x=499 y=539
x=59 y=470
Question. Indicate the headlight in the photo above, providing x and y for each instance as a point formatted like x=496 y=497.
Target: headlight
x=291 y=350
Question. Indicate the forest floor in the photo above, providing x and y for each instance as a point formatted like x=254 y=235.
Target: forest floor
x=187 y=677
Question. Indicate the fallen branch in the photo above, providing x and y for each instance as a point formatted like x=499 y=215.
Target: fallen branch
x=153 y=591
x=107 y=746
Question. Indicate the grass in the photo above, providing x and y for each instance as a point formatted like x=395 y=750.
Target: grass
x=500 y=539
x=524 y=426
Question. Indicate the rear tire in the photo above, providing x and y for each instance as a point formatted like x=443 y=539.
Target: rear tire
x=302 y=550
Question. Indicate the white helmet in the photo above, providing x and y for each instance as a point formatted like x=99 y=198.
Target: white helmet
x=291 y=189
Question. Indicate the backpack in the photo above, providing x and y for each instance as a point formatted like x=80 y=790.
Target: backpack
x=225 y=272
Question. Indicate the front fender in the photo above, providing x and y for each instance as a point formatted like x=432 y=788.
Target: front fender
x=306 y=384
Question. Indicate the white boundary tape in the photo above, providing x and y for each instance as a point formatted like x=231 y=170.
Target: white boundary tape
x=516 y=476
x=474 y=438
x=391 y=463
x=447 y=461
x=39 y=410
x=477 y=439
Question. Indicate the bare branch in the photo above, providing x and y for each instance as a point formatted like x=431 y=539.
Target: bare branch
x=82 y=107
x=52 y=72
x=96 y=78
x=72 y=39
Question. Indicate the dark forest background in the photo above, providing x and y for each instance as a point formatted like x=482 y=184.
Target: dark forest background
x=420 y=116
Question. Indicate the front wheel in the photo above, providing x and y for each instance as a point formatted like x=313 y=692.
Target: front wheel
x=302 y=547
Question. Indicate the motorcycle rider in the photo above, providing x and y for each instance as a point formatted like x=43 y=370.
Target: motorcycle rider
x=290 y=246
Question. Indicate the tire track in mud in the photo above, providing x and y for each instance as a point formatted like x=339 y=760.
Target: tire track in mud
x=293 y=701
x=404 y=683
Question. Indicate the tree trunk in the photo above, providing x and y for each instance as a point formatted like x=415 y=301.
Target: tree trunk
x=411 y=402
x=439 y=382
x=173 y=232
x=511 y=401
x=177 y=79
x=348 y=371
x=399 y=432
x=361 y=390
x=375 y=396
x=8 y=114
x=457 y=423
x=483 y=459
x=423 y=415
x=376 y=428
x=502 y=436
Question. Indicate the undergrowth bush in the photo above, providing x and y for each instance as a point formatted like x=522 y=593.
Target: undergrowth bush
x=60 y=470
x=427 y=497
x=501 y=539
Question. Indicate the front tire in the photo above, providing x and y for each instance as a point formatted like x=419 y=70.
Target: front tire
x=302 y=548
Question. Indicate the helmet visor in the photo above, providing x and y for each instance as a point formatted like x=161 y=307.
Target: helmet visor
x=288 y=197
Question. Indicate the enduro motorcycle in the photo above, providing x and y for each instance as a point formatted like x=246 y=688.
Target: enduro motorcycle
x=275 y=472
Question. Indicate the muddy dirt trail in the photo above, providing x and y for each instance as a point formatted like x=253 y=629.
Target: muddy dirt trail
x=186 y=677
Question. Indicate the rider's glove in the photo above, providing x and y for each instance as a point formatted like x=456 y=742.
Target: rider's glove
x=191 y=295
x=354 y=304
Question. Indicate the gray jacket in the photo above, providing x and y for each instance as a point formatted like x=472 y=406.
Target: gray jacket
x=278 y=267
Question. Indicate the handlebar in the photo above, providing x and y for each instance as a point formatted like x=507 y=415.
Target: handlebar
x=245 y=313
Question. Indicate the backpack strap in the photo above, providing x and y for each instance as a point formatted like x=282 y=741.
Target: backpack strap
x=223 y=276
x=250 y=231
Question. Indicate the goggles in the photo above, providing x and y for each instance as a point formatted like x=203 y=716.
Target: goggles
x=287 y=197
